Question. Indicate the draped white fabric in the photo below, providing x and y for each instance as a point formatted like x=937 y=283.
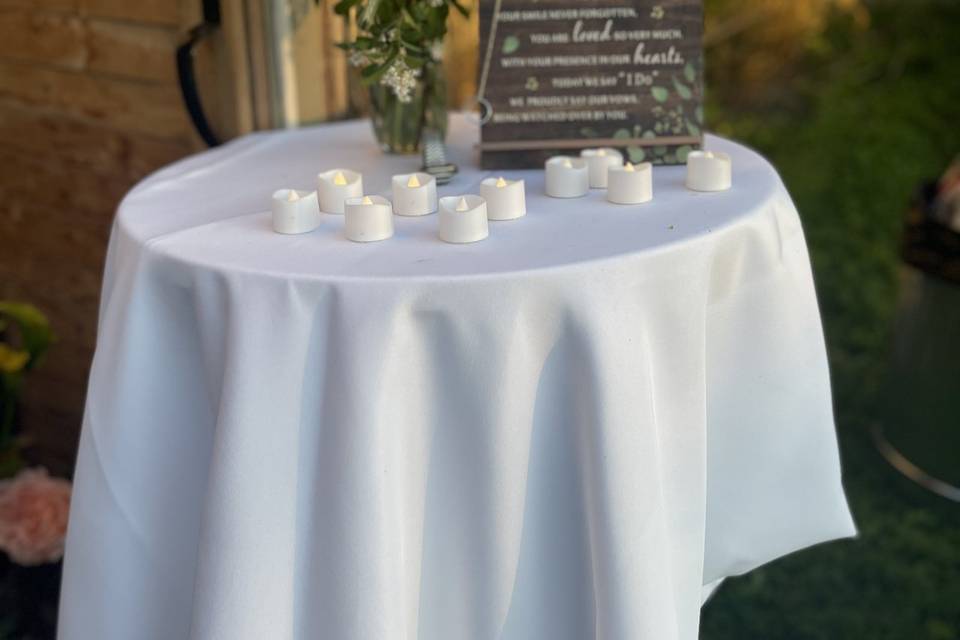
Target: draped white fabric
x=562 y=432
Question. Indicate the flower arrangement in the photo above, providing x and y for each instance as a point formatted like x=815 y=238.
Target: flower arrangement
x=25 y=336
x=397 y=39
x=33 y=506
x=398 y=50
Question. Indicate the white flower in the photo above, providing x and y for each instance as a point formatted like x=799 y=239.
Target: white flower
x=358 y=59
x=401 y=79
x=436 y=4
x=436 y=50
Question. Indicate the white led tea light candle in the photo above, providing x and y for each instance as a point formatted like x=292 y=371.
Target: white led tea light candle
x=708 y=171
x=414 y=194
x=630 y=184
x=367 y=219
x=335 y=186
x=505 y=198
x=295 y=211
x=566 y=177
x=599 y=161
x=463 y=219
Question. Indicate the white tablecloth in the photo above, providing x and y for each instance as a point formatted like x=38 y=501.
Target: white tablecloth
x=562 y=432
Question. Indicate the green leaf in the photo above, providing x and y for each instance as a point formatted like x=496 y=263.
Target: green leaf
x=510 y=44
x=35 y=332
x=622 y=133
x=373 y=72
x=636 y=154
x=370 y=11
x=462 y=10
x=659 y=94
x=682 y=89
x=25 y=315
x=411 y=48
x=434 y=23
x=683 y=152
x=343 y=7
x=698 y=114
x=409 y=19
x=12 y=360
x=693 y=129
x=689 y=72
x=364 y=43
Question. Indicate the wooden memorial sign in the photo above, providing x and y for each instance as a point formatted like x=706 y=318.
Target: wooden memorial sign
x=562 y=75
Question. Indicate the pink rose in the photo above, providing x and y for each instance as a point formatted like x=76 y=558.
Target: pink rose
x=33 y=517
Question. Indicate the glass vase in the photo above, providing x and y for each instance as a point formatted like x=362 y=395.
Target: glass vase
x=399 y=125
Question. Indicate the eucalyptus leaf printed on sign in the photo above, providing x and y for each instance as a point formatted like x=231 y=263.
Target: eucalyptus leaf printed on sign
x=562 y=75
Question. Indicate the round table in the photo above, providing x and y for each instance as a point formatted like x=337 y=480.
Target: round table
x=562 y=432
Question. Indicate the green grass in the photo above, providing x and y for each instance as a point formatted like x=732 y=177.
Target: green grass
x=879 y=113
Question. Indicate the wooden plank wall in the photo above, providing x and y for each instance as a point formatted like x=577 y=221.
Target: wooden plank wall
x=461 y=54
x=88 y=105
x=320 y=70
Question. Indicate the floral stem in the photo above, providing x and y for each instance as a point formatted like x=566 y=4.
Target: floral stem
x=427 y=96
x=399 y=144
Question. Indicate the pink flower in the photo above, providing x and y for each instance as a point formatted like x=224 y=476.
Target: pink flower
x=33 y=517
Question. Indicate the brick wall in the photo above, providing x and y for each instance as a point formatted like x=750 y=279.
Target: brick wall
x=88 y=105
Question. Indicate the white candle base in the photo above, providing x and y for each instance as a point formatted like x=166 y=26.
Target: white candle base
x=417 y=200
x=630 y=184
x=367 y=219
x=330 y=194
x=301 y=215
x=504 y=202
x=463 y=219
x=599 y=161
x=708 y=171
x=566 y=177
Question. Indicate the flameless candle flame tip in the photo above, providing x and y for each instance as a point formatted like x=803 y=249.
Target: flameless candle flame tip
x=292 y=196
x=413 y=181
x=339 y=180
x=567 y=164
x=462 y=205
x=501 y=182
x=366 y=200
x=602 y=152
x=628 y=167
